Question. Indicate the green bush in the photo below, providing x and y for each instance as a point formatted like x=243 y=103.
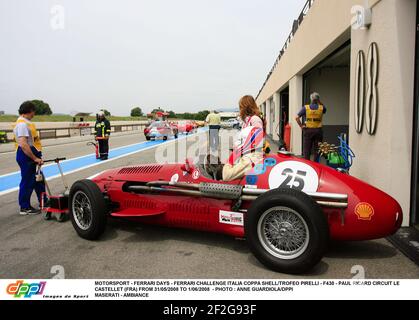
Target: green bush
x=136 y=112
x=41 y=107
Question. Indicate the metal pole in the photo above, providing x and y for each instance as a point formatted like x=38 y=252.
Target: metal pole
x=62 y=176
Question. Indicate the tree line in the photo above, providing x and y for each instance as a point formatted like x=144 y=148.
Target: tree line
x=43 y=108
x=201 y=115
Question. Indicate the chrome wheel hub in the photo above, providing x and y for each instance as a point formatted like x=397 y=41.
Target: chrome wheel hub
x=283 y=233
x=82 y=210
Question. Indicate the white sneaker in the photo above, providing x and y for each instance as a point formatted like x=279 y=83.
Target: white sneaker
x=29 y=212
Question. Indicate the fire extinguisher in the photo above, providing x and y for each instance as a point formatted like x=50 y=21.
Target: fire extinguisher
x=96 y=145
x=287 y=136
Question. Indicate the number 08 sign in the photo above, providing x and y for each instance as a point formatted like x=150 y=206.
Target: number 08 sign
x=294 y=175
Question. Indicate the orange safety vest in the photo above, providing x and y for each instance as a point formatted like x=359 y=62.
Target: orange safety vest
x=314 y=117
x=35 y=136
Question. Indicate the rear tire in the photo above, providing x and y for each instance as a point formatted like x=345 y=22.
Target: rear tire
x=287 y=231
x=148 y=138
x=87 y=209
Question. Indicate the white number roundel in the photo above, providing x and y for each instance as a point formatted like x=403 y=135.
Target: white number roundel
x=294 y=175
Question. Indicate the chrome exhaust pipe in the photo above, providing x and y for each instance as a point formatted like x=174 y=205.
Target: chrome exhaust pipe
x=173 y=184
x=166 y=190
x=328 y=200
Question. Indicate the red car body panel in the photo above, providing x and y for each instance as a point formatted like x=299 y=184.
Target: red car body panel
x=370 y=213
x=186 y=126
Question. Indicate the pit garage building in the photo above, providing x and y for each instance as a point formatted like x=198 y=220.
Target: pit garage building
x=362 y=57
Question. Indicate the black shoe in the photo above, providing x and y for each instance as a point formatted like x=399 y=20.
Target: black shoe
x=29 y=212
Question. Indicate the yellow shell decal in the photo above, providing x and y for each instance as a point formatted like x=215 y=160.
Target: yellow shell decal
x=364 y=211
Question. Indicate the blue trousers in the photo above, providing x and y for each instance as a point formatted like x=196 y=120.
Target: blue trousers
x=28 y=182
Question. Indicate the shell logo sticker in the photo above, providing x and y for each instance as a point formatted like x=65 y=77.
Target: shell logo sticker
x=364 y=211
x=294 y=175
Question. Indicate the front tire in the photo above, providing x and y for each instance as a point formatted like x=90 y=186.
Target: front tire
x=287 y=231
x=87 y=209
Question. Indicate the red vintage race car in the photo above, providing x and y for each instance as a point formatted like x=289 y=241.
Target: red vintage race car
x=187 y=127
x=287 y=208
x=160 y=129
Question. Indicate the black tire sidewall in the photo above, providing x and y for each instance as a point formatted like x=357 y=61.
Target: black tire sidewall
x=98 y=205
x=313 y=216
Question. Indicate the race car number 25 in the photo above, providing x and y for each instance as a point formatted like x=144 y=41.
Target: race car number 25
x=294 y=175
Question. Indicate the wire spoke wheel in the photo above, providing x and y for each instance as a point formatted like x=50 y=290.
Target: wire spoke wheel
x=287 y=231
x=283 y=233
x=88 y=209
x=82 y=210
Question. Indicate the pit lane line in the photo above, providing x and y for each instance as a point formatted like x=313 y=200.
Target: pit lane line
x=10 y=182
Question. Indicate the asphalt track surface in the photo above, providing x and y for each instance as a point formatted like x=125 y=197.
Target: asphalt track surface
x=30 y=247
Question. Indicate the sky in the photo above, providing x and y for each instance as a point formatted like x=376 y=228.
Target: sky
x=181 y=55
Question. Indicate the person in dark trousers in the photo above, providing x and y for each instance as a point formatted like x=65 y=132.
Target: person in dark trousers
x=310 y=120
x=28 y=156
x=102 y=133
x=214 y=121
